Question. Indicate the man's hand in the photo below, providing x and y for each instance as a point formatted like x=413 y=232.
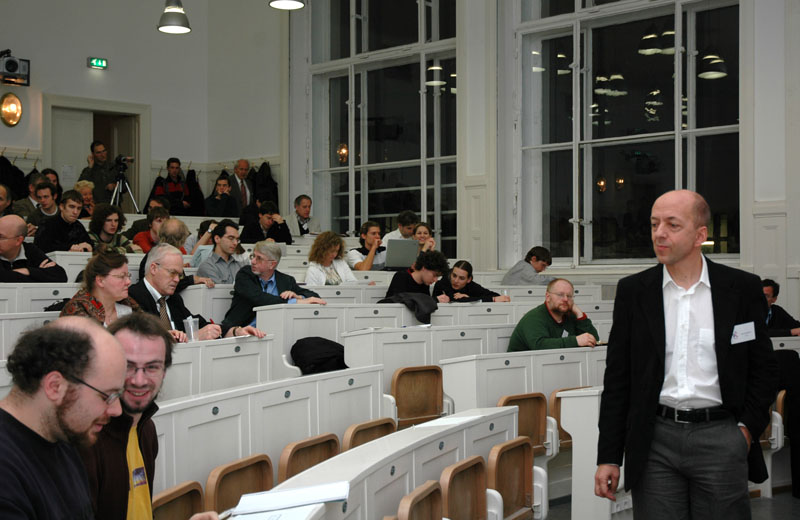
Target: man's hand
x=747 y=437
x=443 y=298
x=135 y=248
x=502 y=298
x=83 y=246
x=576 y=310
x=376 y=244
x=277 y=218
x=288 y=295
x=205 y=515
x=110 y=186
x=202 y=279
x=90 y=160
x=179 y=336
x=210 y=331
x=31 y=229
x=606 y=480
x=247 y=331
x=185 y=204
x=796 y=332
x=586 y=340
x=46 y=263
x=313 y=299
x=22 y=270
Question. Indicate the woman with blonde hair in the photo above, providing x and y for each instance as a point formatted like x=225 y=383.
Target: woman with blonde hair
x=326 y=265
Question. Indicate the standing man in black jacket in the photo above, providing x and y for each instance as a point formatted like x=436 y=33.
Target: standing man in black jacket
x=24 y=262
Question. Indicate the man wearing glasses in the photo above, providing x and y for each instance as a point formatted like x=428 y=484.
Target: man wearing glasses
x=221 y=266
x=21 y=261
x=67 y=378
x=156 y=295
x=261 y=283
x=557 y=323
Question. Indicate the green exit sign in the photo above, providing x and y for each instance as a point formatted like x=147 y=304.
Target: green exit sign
x=97 y=63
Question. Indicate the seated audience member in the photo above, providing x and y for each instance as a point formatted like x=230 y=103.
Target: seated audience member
x=173 y=232
x=557 y=323
x=147 y=239
x=148 y=350
x=104 y=295
x=371 y=256
x=104 y=228
x=155 y=293
x=528 y=271
x=221 y=266
x=63 y=232
x=174 y=188
x=6 y=201
x=46 y=195
x=302 y=223
x=326 y=266
x=779 y=322
x=21 y=261
x=141 y=224
x=25 y=207
x=101 y=172
x=406 y=222
x=260 y=283
x=86 y=189
x=52 y=177
x=270 y=226
x=220 y=203
x=423 y=234
x=203 y=244
x=428 y=266
x=459 y=287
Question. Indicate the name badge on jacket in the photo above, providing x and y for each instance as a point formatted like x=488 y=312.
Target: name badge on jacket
x=743 y=332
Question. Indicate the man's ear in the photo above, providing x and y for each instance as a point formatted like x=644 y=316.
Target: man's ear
x=55 y=386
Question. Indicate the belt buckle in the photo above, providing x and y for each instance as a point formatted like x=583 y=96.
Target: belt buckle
x=678 y=420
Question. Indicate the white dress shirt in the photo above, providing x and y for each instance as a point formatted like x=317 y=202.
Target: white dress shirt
x=691 y=378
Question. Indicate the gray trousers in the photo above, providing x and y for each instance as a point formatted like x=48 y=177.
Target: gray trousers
x=694 y=471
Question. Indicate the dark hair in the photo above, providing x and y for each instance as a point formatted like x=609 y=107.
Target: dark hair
x=94 y=144
x=72 y=195
x=101 y=212
x=406 y=218
x=204 y=225
x=219 y=231
x=103 y=262
x=223 y=178
x=425 y=225
x=541 y=253
x=35 y=178
x=147 y=325
x=46 y=349
x=432 y=261
x=173 y=160
x=466 y=266
x=300 y=198
x=47 y=171
x=163 y=201
x=365 y=227
x=46 y=185
x=776 y=288
x=323 y=243
x=267 y=207
x=156 y=213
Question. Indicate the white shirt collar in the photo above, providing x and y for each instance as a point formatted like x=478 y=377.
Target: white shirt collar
x=667 y=279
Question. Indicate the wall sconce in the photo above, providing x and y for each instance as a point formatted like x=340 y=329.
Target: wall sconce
x=619 y=182
x=10 y=109
x=342 y=153
x=601 y=184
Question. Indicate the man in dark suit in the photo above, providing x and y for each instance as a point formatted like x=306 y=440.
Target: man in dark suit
x=261 y=283
x=156 y=294
x=238 y=182
x=690 y=375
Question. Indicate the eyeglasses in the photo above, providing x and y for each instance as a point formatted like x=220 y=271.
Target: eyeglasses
x=172 y=272
x=151 y=370
x=232 y=238
x=121 y=276
x=259 y=258
x=109 y=398
x=10 y=238
x=561 y=295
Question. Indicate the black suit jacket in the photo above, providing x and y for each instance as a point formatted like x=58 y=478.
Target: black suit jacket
x=253 y=233
x=236 y=193
x=247 y=294
x=177 y=310
x=635 y=365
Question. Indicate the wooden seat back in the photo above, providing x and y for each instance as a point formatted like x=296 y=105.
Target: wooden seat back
x=424 y=503
x=464 y=490
x=565 y=440
x=228 y=482
x=418 y=392
x=510 y=473
x=301 y=455
x=532 y=417
x=181 y=501
x=360 y=433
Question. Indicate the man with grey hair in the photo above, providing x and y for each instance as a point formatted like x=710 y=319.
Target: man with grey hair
x=156 y=295
x=242 y=191
x=261 y=283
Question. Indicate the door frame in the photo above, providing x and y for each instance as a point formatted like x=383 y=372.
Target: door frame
x=143 y=157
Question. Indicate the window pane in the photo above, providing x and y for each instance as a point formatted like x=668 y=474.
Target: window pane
x=331 y=25
x=339 y=148
x=718 y=54
x=627 y=179
x=547 y=84
x=633 y=92
x=718 y=182
x=537 y=9
x=331 y=197
x=392 y=191
x=549 y=200
x=392 y=23
x=440 y=104
x=393 y=122
x=443 y=20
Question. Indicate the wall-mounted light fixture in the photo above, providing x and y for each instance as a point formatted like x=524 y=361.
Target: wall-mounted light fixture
x=10 y=109
x=342 y=153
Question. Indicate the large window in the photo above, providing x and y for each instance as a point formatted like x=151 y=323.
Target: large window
x=384 y=113
x=619 y=104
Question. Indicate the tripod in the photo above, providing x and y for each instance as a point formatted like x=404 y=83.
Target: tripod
x=122 y=185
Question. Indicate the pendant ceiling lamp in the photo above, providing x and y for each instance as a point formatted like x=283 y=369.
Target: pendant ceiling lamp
x=287 y=5
x=174 y=19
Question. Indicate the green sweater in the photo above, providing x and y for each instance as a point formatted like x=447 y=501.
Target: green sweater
x=537 y=330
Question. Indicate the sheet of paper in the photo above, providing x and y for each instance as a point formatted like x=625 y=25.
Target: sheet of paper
x=284 y=499
x=294 y=513
x=446 y=421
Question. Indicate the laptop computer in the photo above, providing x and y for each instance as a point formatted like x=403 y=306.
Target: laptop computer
x=400 y=254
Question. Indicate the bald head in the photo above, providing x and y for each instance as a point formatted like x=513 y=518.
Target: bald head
x=242 y=168
x=12 y=233
x=693 y=202
x=108 y=354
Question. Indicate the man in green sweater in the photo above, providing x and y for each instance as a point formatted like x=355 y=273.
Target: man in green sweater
x=557 y=323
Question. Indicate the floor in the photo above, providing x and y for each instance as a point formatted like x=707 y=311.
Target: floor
x=780 y=507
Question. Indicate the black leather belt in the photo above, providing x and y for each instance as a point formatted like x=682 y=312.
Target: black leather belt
x=693 y=416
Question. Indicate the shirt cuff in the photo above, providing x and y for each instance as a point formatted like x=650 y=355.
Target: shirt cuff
x=291 y=300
